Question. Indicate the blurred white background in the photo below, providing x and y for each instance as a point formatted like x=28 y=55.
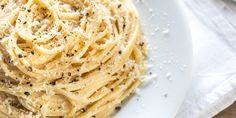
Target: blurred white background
x=213 y=28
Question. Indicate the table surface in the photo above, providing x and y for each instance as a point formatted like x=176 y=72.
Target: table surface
x=230 y=112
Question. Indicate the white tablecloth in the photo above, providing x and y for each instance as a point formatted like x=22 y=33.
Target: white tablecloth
x=213 y=28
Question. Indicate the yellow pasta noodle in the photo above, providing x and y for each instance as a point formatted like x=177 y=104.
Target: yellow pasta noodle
x=68 y=58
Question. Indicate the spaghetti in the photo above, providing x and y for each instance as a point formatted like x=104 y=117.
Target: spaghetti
x=68 y=58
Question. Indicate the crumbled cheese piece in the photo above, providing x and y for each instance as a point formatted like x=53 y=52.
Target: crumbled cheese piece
x=168 y=75
x=166 y=31
x=150 y=10
x=137 y=91
x=147 y=79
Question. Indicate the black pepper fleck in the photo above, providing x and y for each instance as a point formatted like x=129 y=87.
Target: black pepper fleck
x=2 y=6
x=53 y=83
x=27 y=93
x=118 y=108
x=141 y=44
x=120 y=52
x=30 y=68
x=62 y=74
x=32 y=52
x=119 y=5
x=20 y=55
x=29 y=10
x=124 y=65
x=112 y=89
x=70 y=55
x=69 y=73
x=93 y=116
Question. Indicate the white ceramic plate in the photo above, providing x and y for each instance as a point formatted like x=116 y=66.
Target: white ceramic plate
x=168 y=35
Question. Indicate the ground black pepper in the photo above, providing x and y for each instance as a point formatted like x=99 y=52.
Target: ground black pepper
x=20 y=55
x=62 y=74
x=119 y=5
x=30 y=68
x=150 y=73
x=141 y=44
x=120 y=52
x=27 y=93
x=69 y=73
x=2 y=6
x=53 y=83
x=32 y=52
x=118 y=108
x=124 y=65
x=70 y=55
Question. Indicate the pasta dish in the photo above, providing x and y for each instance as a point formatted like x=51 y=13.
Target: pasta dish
x=68 y=58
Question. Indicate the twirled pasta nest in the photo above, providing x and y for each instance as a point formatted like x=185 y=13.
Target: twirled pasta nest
x=68 y=58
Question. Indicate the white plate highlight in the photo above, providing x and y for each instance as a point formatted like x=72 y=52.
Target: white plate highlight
x=170 y=56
